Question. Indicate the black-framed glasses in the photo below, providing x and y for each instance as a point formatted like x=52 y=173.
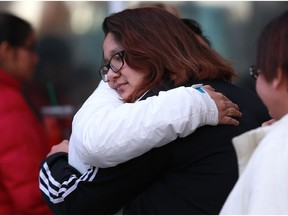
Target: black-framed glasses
x=115 y=63
x=254 y=71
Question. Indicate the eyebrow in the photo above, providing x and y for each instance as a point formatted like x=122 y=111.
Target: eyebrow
x=111 y=53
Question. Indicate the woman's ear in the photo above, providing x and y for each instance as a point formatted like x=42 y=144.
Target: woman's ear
x=280 y=80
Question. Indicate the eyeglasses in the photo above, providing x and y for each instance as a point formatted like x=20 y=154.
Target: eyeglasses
x=254 y=71
x=115 y=63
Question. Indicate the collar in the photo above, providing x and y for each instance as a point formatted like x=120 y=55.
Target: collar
x=246 y=143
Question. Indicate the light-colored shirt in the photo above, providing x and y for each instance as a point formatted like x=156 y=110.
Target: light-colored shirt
x=262 y=187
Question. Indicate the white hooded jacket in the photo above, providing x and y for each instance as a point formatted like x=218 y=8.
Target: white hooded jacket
x=107 y=132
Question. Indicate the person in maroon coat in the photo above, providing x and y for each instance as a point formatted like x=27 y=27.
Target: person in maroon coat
x=22 y=134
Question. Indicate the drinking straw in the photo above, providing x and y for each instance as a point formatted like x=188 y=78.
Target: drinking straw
x=52 y=93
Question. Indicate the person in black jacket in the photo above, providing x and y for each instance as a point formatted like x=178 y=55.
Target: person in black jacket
x=191 y=175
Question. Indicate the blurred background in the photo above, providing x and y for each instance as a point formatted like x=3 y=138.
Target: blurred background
x=70 y=39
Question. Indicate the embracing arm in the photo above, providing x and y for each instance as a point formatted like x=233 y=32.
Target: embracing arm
x=107 y=132
x=97 y=191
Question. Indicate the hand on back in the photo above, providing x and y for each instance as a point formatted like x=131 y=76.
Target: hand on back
x=228 y=111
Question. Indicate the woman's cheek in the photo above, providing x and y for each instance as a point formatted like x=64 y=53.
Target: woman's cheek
x=265 y=92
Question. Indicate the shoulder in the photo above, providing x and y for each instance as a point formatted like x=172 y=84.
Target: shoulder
x=11 y=99
x=14 y=111
x=277 y=135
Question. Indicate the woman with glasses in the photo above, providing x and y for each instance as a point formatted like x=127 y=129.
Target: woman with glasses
x=191 y=175
x=23 y=138
x=169 y=131
x=262 y=187
x=163 y=131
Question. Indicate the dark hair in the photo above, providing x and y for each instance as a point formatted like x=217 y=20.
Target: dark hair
x=272 y=51
x=194 y=25
x=154 y=40
x=13 y=29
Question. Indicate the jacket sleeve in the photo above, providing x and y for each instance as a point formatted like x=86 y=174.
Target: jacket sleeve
x=98 y=191
x=107 y=131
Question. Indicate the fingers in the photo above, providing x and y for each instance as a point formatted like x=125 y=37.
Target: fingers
x=61 y=147
x=227 y=104
x=208 y=88
x=65 y=142
x=229 y=121
x=231 y=105
x=233 y=112
x=269 y=122
x=229 y=115
x=227 y=110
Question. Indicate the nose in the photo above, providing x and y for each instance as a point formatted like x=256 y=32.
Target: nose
x=111 y=75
